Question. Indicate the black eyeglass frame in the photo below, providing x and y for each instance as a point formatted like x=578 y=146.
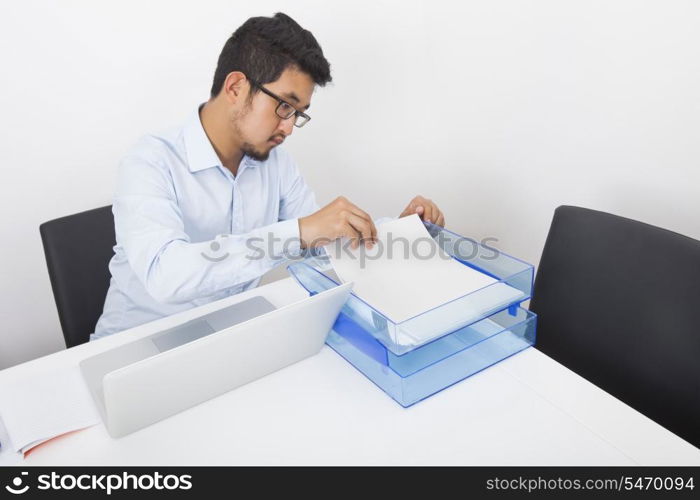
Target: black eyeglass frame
x=298 y=114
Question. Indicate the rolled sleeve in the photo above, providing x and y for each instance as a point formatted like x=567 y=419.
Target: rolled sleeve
x=172 y=269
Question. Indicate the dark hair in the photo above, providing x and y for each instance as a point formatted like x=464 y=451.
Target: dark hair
x=263 y=47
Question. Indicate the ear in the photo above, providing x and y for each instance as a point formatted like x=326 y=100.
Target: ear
x=236 y=87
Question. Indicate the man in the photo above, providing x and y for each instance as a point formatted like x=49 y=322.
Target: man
x=189 y=202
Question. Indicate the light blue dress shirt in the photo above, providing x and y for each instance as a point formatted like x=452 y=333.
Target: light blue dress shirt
x=188 y=232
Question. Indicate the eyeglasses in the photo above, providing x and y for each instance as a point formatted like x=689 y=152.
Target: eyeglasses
x=284 y=110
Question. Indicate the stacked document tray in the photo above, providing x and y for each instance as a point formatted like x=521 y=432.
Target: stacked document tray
x=413 y=359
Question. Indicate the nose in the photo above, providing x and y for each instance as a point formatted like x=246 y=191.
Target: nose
x=287 y=125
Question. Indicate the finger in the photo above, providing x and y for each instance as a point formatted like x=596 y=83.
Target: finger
x=434 y=213
x=363 y=228
x=412 y=208
x=350 y=231
x=408 y=211
x=366 y=217
x=428 y=213
x=352 y=234
x=441 y=220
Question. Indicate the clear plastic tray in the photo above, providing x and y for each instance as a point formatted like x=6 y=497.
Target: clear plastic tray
x=416 y=358
x=514 y=286
x=439 y=364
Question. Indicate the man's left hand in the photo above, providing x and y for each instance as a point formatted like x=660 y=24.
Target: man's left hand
x=426 y=210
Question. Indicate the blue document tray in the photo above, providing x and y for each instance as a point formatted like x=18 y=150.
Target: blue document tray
x=416 y=358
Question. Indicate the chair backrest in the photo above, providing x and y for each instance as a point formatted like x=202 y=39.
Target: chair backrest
x=617 y=302
x=78 y=249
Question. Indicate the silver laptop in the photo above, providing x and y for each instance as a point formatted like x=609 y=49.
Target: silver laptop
x=212 y=322
x=144 y=381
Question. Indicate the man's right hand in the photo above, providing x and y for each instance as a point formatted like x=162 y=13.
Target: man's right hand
x=337 y=219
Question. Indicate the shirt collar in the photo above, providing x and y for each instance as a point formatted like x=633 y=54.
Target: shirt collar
x=200 y=152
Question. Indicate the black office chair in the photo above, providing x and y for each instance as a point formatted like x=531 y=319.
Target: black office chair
x=78 y=249
x=618 y=303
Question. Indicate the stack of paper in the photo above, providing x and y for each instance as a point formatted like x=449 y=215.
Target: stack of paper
x=44 y=406
x=407 y=274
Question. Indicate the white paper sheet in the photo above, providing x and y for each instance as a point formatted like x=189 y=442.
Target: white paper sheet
x=406 y=273
x=44 y=406
x=7 y=455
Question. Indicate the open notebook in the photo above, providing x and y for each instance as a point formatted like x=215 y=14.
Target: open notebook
x=43 y=406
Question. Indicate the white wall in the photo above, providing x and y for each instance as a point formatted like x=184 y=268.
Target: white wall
x=498 y=110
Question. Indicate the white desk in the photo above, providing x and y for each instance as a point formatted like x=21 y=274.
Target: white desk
x=526 y=410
